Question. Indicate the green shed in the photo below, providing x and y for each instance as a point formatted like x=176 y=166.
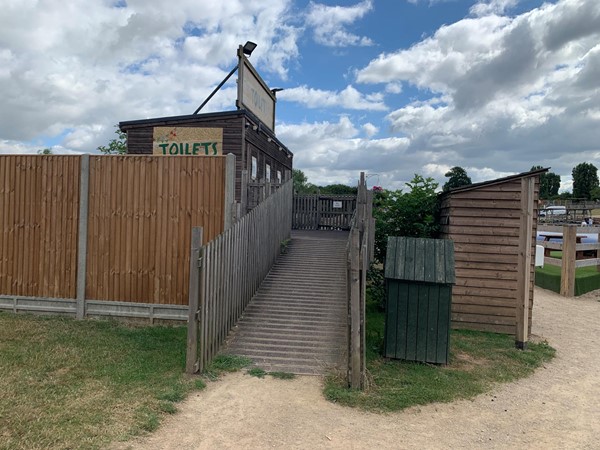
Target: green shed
x=419 y=274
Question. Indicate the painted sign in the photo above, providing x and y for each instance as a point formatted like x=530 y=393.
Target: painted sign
x=254 y=94
x=187 y=141
x=337 y=204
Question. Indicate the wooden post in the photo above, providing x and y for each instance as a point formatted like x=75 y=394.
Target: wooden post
x=228 y=210
x=84 y=187
x=567 y=273
x=191 y=360
x=524 y=264
x=355 y=338
x=244 y=192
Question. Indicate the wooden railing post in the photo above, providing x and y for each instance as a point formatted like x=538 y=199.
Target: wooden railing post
x=355 y=338
x=567 y=273
x=524 y=262
x=229 y=207
x=191 y=364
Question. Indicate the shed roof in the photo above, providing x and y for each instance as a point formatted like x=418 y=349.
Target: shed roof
x=420 y=259
x=470 y=187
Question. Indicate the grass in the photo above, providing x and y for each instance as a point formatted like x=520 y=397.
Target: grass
x=70 y=384
x=478 y=360
x=586 y=278
x=224 y=363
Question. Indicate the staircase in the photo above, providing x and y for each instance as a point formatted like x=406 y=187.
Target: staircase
x=297 y=321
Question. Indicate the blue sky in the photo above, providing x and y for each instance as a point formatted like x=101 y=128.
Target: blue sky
x=389 y=87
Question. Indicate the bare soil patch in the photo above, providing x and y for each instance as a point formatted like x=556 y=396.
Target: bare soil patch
x=557 y=407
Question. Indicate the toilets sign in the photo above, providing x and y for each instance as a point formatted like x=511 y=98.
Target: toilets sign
x=191 y=141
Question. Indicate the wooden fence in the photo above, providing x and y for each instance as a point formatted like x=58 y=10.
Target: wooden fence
x=227 y=272
x=574 y=254
x=318 y=212
x=361 y=241
x=110 y=229
x=39 y=210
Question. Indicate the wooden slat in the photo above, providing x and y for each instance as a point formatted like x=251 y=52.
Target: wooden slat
x=38 y=226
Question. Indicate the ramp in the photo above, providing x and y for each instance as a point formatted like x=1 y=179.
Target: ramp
x=297 y=321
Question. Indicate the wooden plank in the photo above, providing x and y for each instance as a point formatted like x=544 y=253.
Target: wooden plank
x=432 y=321
x=567 y=277
x=402 y=321
x=192 y=365
x=444 y=296
x=391 y=318
x=411 y=321
x=422 y=323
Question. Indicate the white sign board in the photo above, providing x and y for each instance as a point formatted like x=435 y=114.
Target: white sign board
x=254 y=94
x=337 y=204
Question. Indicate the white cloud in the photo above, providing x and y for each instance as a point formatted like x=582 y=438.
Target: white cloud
x=84 y=66
x=512 y=92
x=348 y=98
x=370 y=130
x=329 y=23
x=488 y=7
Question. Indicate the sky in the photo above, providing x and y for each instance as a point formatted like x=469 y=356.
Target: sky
x=389 y=87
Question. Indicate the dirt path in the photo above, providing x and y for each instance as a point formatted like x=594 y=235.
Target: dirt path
x=558 y=407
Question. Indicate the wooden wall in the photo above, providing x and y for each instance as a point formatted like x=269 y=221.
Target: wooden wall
x=239 y=138
x=484 y=223
x=141 y=210
x=39 y=211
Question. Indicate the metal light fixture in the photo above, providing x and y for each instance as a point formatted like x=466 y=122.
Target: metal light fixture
x=248 y=48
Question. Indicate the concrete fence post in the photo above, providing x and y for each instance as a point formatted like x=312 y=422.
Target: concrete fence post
x=84 y=186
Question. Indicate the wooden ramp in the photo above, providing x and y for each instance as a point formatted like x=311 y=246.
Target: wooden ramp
x=297 y=320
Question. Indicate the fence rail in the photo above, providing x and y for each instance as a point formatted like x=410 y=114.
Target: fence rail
x=318 y=212
x=361 y=241
x=229 y=272
x=105 y=228
x=574 y=255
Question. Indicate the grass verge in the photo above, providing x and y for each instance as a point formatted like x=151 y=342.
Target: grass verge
x=70 y=384
x=477 y=361
x=587 y=279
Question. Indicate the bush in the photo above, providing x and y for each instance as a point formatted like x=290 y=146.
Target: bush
x=412 y=214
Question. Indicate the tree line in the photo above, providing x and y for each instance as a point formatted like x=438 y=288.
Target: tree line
x=584 y=175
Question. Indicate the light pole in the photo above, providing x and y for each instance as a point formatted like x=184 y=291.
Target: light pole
x=247 y=49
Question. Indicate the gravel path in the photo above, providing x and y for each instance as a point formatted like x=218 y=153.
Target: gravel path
x=557 y=407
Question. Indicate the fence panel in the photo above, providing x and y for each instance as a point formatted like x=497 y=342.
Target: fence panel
x=39 y=208
x=232 y=267
x=141 y=211
x=318 y=212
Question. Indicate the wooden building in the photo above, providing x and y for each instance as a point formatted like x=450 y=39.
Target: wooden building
x=493 y=225
x=257 y=149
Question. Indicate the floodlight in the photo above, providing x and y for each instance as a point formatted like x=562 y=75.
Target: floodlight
x=248 y=48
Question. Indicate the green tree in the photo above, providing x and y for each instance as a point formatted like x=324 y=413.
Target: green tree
x=338 y=189
x=301 y=184
x=457 y=176
x=585 y=180
x=45 y=151
x=413 y=213
x=116 y=146
x=549 y=184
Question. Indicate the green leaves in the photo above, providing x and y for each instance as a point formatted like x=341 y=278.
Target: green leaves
x=413 y=213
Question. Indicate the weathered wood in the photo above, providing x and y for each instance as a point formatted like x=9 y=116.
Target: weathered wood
x=192 y=363
x=354 y=280
x=524 y=263
x=567 y=275
x=235 y=263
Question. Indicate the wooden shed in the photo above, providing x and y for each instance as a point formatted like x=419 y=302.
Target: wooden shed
x=257 y=149
x=493 y=225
